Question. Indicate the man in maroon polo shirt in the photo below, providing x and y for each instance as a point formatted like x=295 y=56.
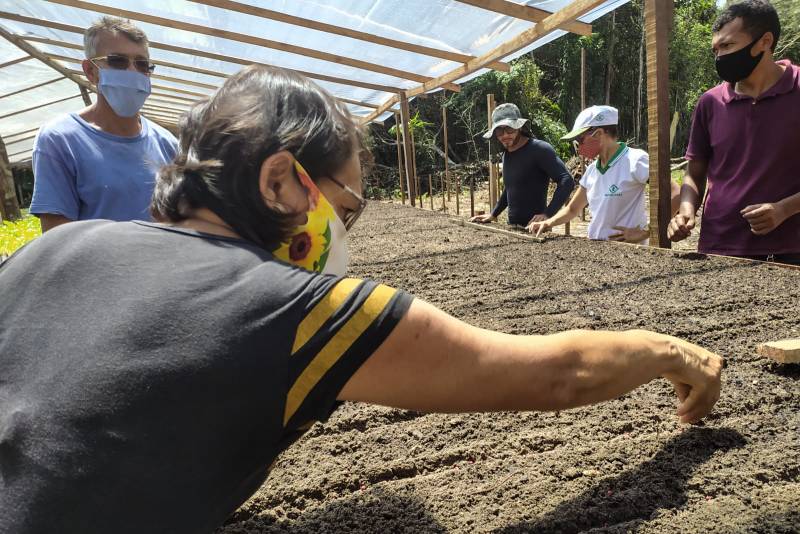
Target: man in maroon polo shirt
x=745 y=141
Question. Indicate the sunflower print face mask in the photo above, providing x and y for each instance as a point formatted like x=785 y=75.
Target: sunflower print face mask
x=319 y=245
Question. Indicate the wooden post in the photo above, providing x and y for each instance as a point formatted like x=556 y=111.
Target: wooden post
x=9 y=207
x=407 y=152
x=430 y=190
x=419 y=189
x=446 y=158
x=583 y=78
x=658 y=23
x=444 y=186
x=397 y=127
x=458 y=193
x=414 y=167
x=492 y=181
x=472 y=195
x=583 y=106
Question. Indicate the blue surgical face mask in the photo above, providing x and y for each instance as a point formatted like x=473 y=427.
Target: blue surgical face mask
x=124 y=90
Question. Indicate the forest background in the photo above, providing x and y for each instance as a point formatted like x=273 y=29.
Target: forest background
x=546 y=85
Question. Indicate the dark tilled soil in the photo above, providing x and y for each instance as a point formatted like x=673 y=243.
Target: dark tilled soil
x=623 y=466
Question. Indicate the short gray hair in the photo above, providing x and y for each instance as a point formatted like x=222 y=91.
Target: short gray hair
x=112 y=26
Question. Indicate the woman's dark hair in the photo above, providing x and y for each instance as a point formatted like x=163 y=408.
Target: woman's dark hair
x=224 y=140
x=758 y=17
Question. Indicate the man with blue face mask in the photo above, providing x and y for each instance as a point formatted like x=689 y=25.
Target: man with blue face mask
x=101 y=162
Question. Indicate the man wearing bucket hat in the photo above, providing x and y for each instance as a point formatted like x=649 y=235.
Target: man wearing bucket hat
x=612 y=186
x=528 y=166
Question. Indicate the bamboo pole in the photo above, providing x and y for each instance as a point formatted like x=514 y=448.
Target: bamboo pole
x=658 y=21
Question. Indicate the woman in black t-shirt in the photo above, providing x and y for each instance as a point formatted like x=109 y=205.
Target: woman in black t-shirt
x=151 y=372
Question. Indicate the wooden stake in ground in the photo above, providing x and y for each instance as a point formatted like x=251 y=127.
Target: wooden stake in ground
x=399 y=157
x=472 y=195
x=414 y=165
x=442 y=183
x=458 y=193
x=492 y=180
x=430 y=190
x=784 y=351
x=407 y=153
x=446 y=158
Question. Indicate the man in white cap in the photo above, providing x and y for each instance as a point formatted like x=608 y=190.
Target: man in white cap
x=528 y=166
x=613 y=186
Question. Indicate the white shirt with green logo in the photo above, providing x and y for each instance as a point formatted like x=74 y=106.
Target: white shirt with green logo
x=616 y=192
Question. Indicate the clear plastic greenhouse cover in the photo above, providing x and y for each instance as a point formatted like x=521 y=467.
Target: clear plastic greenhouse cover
x=443 y=24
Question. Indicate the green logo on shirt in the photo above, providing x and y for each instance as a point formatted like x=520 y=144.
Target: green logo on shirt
x=613 y=191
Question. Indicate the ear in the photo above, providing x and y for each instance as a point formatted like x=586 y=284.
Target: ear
x=766 y=41
x=91 y=71
x=279 y=186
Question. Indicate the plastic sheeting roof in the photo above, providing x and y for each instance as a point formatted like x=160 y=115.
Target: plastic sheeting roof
x=447 y=25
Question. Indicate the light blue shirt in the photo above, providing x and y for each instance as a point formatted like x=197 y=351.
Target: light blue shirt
x=83 y=173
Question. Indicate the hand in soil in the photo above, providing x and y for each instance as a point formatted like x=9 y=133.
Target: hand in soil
x=539 y=227
x=538 y=218
x=696 y=379
x=483 y=218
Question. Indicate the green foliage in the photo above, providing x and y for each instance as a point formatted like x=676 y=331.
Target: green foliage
x=15 y=234
x=546 y=84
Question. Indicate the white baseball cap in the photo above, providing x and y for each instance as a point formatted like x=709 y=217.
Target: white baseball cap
x=591 y=118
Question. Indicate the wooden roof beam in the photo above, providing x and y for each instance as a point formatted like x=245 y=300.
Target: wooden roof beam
x=261 y=12
x=5 y=137
x=21 y=111
x=7 y=142
x=243 y=38
x=20 y=153
x=572 y=11
x=199 y=53
x=36 y=53
x=32 y=87
x=15 y=61
x=531 y=14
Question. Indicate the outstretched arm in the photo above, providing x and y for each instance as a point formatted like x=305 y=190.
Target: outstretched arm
x=433 y=362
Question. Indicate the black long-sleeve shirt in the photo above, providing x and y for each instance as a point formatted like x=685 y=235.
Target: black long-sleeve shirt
x=527 y=172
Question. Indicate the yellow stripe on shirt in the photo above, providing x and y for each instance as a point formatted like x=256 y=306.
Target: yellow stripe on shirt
x=338 y=345
x=323 y=311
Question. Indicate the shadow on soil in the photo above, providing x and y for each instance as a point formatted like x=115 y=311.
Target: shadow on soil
x=637 y=495
x=373 y=511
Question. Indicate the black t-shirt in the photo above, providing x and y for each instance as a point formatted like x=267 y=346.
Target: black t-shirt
x=149 y=376
x=526 y=176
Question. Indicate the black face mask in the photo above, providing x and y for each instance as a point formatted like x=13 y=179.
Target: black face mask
x=737 y=66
